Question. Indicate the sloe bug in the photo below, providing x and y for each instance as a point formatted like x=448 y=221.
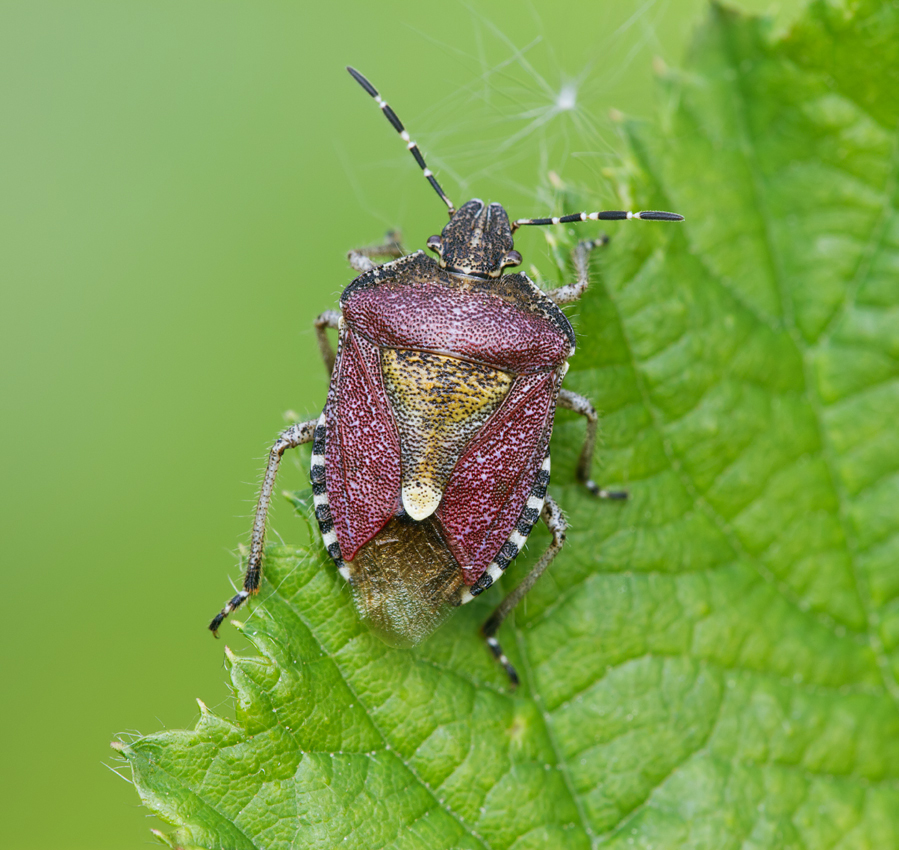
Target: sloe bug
x=430 y=462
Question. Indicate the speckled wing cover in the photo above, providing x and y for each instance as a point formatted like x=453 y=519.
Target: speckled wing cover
x=442 y=396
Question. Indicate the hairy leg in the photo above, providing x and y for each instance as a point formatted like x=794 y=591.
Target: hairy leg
x=571 y=292
x=555 y=522
x=328 y=319
x=361 y=258
x=294 y=436
x=580 y=404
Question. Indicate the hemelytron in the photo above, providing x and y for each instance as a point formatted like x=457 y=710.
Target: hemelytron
x=430 y=461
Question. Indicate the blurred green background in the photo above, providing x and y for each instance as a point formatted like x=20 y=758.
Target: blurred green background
x=179 y=183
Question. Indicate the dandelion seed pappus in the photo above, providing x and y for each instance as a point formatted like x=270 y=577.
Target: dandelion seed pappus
x=430 y=461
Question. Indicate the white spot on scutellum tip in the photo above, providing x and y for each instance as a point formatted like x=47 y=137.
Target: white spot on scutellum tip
x=420 y=500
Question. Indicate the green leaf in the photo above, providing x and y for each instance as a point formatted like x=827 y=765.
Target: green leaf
x=713 y=664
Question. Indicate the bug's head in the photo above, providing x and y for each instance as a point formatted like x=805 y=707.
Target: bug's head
x=477 y=241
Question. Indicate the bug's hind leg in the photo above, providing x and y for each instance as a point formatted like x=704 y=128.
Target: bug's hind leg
x=296 y=435
x=361 y=258
x=582 y=405
x=555 y=522
x=571 y=292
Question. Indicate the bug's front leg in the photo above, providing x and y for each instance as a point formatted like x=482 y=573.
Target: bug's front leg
x=361 y=261
x=580 y=404
x=328 y=319
x=361 y=258
x=555 y=522
x=294 y=436
x=571 y=292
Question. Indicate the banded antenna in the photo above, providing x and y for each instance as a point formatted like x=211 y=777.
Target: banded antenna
x=398 y=126
x=606 y=215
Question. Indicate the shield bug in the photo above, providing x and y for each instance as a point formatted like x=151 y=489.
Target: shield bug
x=430 y=462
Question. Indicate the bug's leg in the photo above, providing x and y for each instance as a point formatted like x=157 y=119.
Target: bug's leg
x=361 y=261
x=328 y=319
x=579 y=404
x=361 y=258
x=581 y=255
x=296 y=435
x=555 y=522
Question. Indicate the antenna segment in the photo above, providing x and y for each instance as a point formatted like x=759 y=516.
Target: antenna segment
x=606 y=215
x=398 y=126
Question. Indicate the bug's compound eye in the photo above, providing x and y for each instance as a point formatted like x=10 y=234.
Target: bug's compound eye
x=510 y=258
x=435 y=244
